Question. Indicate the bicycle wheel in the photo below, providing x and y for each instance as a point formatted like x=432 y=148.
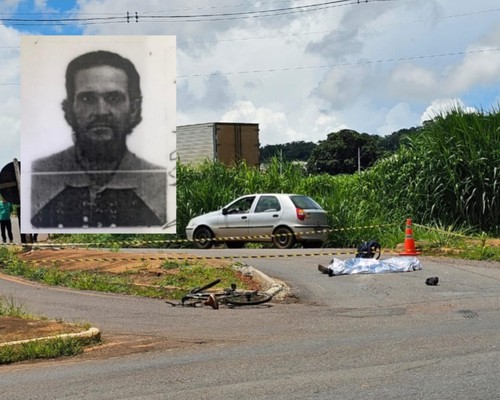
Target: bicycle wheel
x=248 y=299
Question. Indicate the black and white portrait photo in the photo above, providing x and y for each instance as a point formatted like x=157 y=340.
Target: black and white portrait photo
x=98 y=134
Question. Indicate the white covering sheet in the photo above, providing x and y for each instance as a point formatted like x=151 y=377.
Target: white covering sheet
x=372 y=266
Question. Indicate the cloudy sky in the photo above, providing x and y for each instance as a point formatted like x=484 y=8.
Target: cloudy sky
x=301 y=69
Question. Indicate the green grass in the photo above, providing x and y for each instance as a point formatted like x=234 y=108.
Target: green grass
x=50 y=348
x=446 y=176
x=9 y=308
x=481 y=253
x=188 y=276
x=455 y=241
x=465 y=251
x=115 y=242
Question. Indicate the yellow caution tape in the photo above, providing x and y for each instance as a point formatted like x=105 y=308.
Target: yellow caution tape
x=184 y=241
x=180 y=257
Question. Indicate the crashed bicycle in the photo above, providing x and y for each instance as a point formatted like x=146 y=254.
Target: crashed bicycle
x=231 y=297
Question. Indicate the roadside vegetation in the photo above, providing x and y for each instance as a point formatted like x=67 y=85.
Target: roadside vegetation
x=50 y=348
x=41 y=349
x=9 y=308
x=173 y=279
x=445 y=176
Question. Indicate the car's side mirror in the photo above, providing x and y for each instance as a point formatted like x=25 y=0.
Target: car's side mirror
x=224 y=211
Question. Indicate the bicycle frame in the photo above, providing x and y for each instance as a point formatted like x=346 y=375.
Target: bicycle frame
x=230 y=296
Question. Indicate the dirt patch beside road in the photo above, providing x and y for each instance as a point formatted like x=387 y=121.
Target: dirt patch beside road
x=13 y=329
x=107 y=261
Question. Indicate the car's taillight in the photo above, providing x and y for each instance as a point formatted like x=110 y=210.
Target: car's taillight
x=300 y=214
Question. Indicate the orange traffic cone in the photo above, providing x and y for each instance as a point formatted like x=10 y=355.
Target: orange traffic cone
x=410 y=249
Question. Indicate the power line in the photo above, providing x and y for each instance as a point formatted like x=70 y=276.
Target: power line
x=275 y=36
x=366 y=62
x=264 y=14
x=204 y=7
x=299 y=68
x=217 y=6
x=330 y=31
x=295 y=68
x=124 y=18
x=247 y=14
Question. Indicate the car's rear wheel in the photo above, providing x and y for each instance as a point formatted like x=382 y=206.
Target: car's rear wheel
x=283 y=238
x=203 y=238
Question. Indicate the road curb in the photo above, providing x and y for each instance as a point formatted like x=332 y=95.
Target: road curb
x=89 y=334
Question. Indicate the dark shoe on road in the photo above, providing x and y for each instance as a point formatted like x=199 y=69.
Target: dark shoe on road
x=433 y=281
x=325 y=270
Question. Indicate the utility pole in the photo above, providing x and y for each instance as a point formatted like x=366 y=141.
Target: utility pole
x=359 y=160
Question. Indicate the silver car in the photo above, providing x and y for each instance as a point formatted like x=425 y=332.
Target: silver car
x=283 y=219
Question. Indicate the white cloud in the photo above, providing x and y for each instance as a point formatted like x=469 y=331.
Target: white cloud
x=478 y=64
x=273 y=126
x=9 y=121
x=397 y=117
x=480 y=67
x=411 y=81
x=286 y=72
x=442 y=107
x=276 y=127
x=324 y=124
x=215 y=93
x=340 y=87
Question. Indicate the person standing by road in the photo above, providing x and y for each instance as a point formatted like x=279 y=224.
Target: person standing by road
x=5 y=224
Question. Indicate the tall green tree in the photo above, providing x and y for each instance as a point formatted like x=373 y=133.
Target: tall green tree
x=391 y=143
x=293 y=151
x=338 y=154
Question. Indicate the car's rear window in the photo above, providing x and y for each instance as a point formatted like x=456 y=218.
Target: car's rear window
x=305 y=203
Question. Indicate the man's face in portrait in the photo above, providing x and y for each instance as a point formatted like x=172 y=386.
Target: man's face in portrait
x=101 y=112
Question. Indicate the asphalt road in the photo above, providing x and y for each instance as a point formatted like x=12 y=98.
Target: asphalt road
x=385 y=336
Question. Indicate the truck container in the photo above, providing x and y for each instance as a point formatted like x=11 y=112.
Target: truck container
x=227 y=142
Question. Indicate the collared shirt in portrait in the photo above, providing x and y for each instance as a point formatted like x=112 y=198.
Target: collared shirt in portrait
x=64 y=196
